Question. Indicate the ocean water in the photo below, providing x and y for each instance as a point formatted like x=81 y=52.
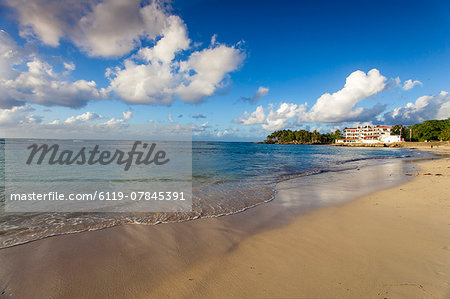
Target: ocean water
x=227 y=177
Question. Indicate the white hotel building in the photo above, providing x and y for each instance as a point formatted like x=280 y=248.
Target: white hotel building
x=369 y=134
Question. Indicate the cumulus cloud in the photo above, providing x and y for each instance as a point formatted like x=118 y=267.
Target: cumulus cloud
x=113 y=121
x=341 y=105
x=278 y=119
x=100 y=28
x=409 y=84
x=174 y=39
x=10 y=55
x=85 y=117
x=337 y=107
x=155 y=74
x=260 y=93
x=209 y=67
x=152 y=78
x=255 y=118
x=444 y=110
x=424 y=108
x=37 y=81
x=275 y=119
x=18 y=115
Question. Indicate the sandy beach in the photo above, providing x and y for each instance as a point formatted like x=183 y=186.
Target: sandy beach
x=393 y=243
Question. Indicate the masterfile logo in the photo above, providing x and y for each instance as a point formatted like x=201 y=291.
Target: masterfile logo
x=52 y=154
x=97 y=171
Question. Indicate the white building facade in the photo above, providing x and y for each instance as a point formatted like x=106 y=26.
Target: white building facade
x=369 y=134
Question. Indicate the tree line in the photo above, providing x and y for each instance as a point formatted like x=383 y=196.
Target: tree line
x=428 y=130
x=302 y=137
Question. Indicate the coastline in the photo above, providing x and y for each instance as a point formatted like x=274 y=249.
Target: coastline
x=261 y=252
x=426 y=146
x=411 y=145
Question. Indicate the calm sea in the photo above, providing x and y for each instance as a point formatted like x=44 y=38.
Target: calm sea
x=227 y=177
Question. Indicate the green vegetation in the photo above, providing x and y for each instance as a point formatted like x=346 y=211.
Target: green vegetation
x=302 y=137
x=428 y=130
x=445 y=134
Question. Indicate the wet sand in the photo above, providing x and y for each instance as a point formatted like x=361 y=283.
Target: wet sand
x=393 y=243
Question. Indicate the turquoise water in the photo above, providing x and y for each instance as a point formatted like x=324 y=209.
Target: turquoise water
x=226 y=178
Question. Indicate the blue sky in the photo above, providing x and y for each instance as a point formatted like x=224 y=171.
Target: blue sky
x=298 y=54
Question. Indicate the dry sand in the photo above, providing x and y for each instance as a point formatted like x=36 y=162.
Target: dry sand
x=393 y=243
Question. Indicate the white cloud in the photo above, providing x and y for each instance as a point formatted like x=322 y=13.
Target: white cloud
x=278 y=119
x=275 y=119
x=210 y=66
x=114 y=28
x=156 y=74
x=169 y=117
x=10 y=55
x=18 y=115
x=158 y=81
x=70 y=66
x=113 y=121
x=143 y=83
x=424 y=108
x=37 y=82
x=151 y=76
x=341 y=105
x=255 y=118
x=85 y=117
x=409 y=84
x=40 y=84
x=337 y=107
x=444 y=110
x=100 y=28
x=174 y=39
x=127 y=115
x=41 y=19
x=260 y=93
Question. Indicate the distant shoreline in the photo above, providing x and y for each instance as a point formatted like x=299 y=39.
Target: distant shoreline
x=406 y=144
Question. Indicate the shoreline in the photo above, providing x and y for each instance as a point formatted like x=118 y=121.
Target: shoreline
x=139 y=261
x=308 y=175
x=404 y=144
x=431 y=145
x=7 y=243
